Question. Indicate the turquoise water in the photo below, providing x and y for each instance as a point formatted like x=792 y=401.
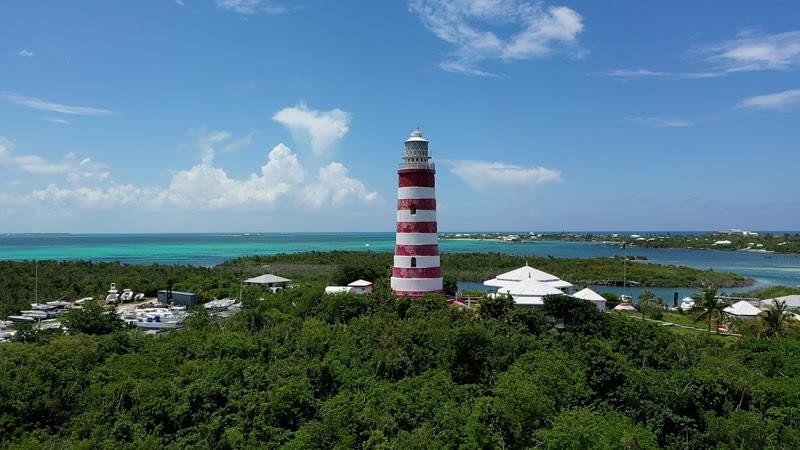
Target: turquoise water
x=212 y=248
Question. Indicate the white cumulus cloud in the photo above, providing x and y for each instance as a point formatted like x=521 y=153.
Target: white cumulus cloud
x=281 y=183
x=25 y=53
x=780 y=100
x=322 y=129
x=501 y=30
x=70 y=166
x=480 y=174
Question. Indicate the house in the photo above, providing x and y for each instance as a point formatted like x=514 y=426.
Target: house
x=269 y=281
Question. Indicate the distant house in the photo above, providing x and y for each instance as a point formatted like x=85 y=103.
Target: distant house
x=724 y=242
x=167 y=296
x=269 y=281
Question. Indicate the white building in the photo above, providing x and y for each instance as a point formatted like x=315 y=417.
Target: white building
x=527 y=272
x=269 y=281
x=592 y=296
x=529 y=292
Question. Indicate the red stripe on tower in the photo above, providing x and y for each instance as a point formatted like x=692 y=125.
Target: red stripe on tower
x=416 y=269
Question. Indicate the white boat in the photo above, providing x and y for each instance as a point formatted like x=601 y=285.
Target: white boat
x=42 y=306
x=127 y=295
x=113 y=294
x=687 y=303
x=223 y=303
x=21 y=319
x=83 y=300
x=138 y=297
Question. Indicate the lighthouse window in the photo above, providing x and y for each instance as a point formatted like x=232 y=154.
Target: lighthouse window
x=413 y=262
x=413 y=210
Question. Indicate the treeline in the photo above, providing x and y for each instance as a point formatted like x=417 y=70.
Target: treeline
x=301 y=370
x=781 y=243
x=483 y=266
x=71 y=280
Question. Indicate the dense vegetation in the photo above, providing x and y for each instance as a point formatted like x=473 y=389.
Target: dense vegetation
x=780 y=242
x=76 y=279
x=301 y=370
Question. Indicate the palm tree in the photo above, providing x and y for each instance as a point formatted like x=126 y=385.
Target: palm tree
x=710 y=307
x=776 y=318
x=644 y=301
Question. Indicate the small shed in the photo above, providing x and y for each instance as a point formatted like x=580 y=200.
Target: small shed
x=168 y=296
x=361 y=285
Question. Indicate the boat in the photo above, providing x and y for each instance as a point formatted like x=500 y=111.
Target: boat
x=21 y=319
x=127 y=295
x=83 y=300
x=223 y=303
x=138 y=297
x=113 y=294
x=687 y=303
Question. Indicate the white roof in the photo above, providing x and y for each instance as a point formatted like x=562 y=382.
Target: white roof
x=360 y=283
x=625 y=307
x=494 y=282
x=791 y=301
x=266 y=279
x=529 y=288
x=742 y=308
x=588 y=294
x=559 y=284
x=526 y=272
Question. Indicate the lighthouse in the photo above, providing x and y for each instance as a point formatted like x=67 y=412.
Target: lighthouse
x=417 y=270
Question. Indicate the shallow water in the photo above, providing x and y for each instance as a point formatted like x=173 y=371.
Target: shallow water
x=213 y=248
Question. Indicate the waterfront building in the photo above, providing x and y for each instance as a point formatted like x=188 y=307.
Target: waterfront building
x=417 y=269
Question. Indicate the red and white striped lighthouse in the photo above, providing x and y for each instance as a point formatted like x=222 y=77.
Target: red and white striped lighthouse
x=417 y=270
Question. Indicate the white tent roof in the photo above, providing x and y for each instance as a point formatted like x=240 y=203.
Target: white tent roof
x=529 y=288
x=625 y=307
x=742 y=308
x=792 y=301
x=360 y=283
x=588 y=294
x=526 y=272
x=266 y=279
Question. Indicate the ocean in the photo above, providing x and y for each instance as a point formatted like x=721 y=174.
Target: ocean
x=208 y=249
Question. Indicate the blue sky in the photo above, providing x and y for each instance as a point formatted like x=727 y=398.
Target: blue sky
x=255 y=115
